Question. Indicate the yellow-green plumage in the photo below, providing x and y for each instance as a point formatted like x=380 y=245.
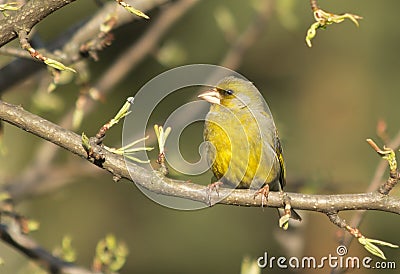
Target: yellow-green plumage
x=244 y=148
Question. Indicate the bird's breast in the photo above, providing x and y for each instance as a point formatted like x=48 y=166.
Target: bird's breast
x=239 y=152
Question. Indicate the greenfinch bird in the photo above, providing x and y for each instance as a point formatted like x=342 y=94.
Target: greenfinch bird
x=242 y=143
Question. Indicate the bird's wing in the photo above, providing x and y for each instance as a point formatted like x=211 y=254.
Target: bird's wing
x=268 y=122
x=278 y=149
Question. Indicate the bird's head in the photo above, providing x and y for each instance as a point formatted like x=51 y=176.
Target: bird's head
x=234 y=93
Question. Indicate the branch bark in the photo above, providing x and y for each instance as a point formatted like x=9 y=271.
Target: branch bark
x=148 y=179
x=27 y=17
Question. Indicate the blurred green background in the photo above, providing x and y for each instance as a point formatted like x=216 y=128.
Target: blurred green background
x=326 y=100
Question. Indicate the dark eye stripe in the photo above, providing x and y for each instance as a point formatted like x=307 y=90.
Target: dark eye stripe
x=225 y=91
x=229 y=92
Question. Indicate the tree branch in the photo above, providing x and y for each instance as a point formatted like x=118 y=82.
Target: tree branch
x=147 y=43
x=116 y=165
x=69 y=41
x=30 y=181
x=27 y=17
x=33 y=250
x=357 y=218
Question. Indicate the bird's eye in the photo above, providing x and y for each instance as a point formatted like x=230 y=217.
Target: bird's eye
x=229 y=92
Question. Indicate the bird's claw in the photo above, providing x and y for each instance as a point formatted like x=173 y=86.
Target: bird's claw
x=264 y=191
x=213 y=187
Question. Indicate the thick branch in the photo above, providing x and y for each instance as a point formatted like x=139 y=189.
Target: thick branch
x=150 y=180
x=28 y=16
x=30 y=181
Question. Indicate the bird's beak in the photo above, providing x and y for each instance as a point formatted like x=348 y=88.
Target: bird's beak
x=212 y=96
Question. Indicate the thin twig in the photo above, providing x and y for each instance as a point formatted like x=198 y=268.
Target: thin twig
x=34 y=251
x=235 y=54
x=69 y=41
x=15 y=52
x=146 y=44
x=376 y=181
x=314 y=5
x=31 y=178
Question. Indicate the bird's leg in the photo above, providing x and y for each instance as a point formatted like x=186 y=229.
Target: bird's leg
x=264 y=191
x=211 y=187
